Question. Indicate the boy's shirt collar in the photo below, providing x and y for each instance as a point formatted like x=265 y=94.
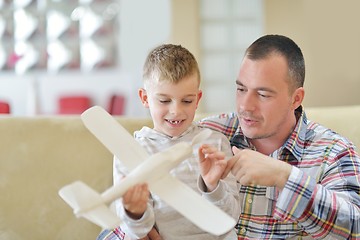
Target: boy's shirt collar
x=156 y=135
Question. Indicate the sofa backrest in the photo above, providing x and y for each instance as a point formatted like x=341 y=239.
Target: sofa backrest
x=42 y=154
x=344 y=120
x=39 y=156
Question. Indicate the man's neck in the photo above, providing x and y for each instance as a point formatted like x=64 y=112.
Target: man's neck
x=266 y=146
x=270 y=144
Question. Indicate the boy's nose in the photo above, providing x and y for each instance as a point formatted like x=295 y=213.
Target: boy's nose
x=175 y=108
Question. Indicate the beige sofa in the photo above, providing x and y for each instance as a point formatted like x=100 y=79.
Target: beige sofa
x=40 y=155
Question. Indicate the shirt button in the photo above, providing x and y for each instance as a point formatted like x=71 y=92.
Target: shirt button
x=242 y=230
x=250 y=200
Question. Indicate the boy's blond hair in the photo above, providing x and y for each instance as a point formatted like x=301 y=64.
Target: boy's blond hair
x=169 y=63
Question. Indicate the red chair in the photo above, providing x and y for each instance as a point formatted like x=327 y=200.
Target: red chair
x=117 y=105
x=4 y=107
x=73 y=104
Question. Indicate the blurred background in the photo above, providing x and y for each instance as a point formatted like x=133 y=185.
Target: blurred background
x=63 y=56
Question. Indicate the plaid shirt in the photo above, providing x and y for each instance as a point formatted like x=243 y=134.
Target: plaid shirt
x=113 y=234
x=321 y=199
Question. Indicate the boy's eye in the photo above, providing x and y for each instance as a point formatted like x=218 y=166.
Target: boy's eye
x=187 y=101
x=164 y=101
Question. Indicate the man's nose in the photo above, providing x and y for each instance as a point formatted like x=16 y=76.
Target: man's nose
x=247 y=102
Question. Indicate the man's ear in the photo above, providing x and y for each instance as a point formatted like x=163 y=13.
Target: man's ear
x=199 y=95
x=143 y=97
x=298 y=97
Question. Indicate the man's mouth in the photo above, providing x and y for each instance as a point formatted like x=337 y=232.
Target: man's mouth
x=249 y=119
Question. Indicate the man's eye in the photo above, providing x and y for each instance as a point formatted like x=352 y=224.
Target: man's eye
x=264 y=95
x=241 y=89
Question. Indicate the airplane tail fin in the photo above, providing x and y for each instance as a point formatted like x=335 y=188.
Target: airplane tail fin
x=89 y=204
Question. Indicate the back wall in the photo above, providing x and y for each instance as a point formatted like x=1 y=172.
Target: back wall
x=326 y=30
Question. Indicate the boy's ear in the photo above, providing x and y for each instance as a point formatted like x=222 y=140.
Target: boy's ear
x=199 y=95
x=143 y=97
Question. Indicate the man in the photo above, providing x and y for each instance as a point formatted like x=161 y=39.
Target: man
x=299 y=180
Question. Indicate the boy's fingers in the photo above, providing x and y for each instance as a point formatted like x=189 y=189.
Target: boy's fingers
x=201 y=154
x=208 y=148
x=230 y=163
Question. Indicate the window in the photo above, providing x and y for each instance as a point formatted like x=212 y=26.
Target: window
x=228 y=27
x=55 y=35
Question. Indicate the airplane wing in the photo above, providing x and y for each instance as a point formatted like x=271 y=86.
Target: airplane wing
x=89 y=204
x=192 y=206
x=114 y=137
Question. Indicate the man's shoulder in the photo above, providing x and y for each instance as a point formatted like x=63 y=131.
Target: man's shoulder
x=226 y=123
x=319 y=134
x=222 y=118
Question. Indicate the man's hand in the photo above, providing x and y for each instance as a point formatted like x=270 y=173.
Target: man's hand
x=135 y=200
x=212 y=165
x=253 y=168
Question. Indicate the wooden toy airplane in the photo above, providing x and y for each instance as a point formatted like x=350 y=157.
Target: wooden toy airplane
x=153 y=169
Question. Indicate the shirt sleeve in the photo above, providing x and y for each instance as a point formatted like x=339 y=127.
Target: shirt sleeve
x=138 y=228
x=226 y=194
x=329 y=206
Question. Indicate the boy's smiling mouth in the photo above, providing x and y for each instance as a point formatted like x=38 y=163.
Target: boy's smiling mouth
x=174 y=122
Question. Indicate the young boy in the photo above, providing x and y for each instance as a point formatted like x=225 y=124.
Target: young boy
x=171 y=92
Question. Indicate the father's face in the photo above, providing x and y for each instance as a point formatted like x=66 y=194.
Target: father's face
x=264 y=104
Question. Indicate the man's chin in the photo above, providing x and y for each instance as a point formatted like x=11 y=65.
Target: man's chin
x=251 y=134
x=256 y=136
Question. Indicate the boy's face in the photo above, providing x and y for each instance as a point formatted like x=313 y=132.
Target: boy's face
x=172 y=106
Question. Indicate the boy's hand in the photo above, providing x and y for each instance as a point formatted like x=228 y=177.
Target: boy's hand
x=152 y=235
x=135 y=200
x=212 y=165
